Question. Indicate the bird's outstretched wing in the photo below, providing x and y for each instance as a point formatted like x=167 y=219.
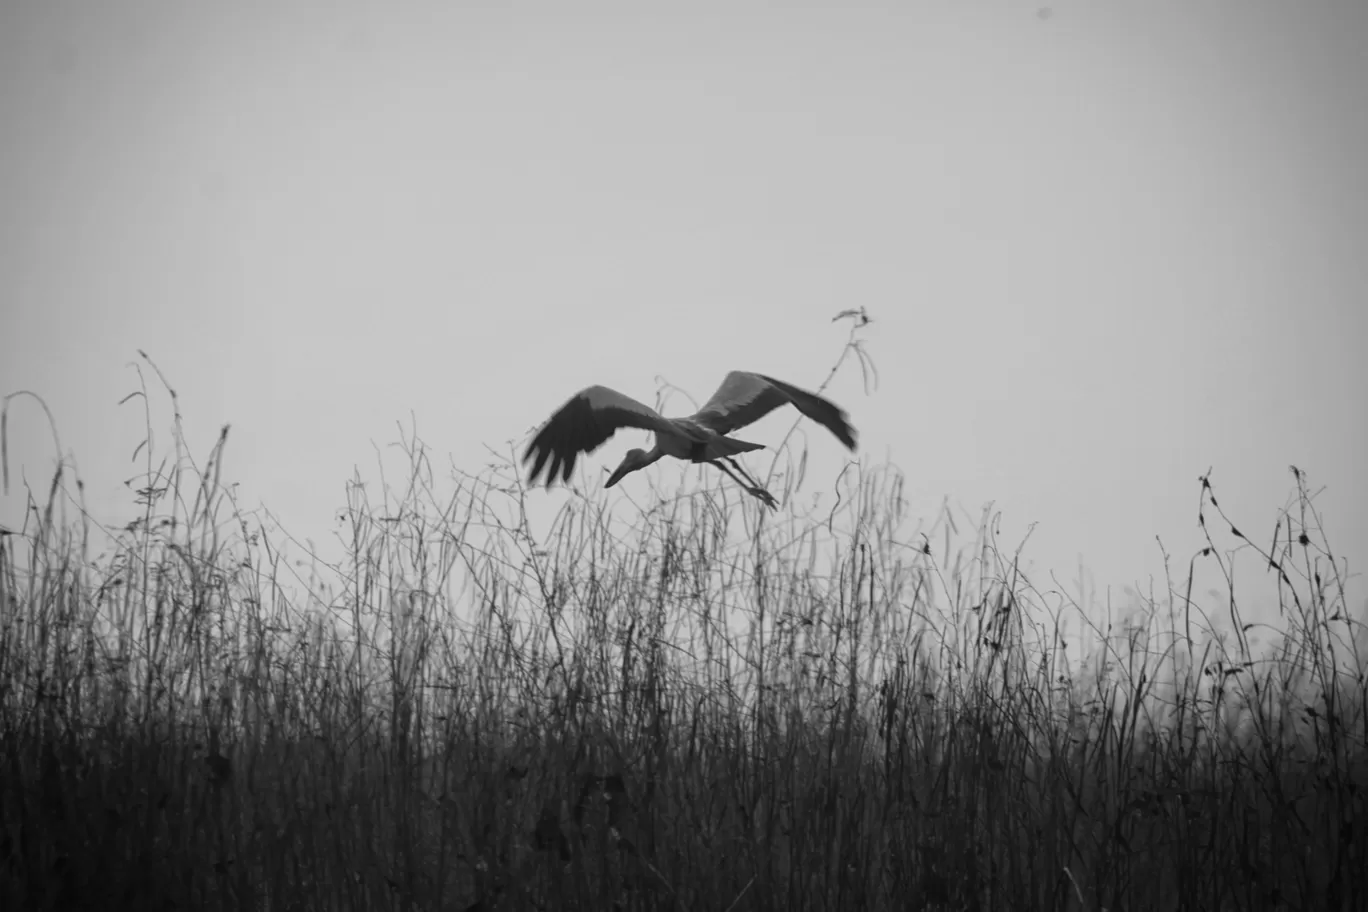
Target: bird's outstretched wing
x=583 y=425
x=744 y=398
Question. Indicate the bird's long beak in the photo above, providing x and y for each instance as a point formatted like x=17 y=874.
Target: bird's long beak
x=621 y=472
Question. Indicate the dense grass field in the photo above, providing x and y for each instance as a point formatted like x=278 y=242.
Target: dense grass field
x=699 y=709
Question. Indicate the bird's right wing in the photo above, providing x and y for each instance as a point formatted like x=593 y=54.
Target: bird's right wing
x=583 y=425
x=745 y=397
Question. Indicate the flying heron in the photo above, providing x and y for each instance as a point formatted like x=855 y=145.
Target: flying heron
x=594 y=414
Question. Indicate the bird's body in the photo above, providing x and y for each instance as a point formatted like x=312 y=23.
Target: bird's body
x=593 y=415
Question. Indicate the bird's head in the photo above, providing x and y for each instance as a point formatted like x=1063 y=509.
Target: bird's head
x=635 y=459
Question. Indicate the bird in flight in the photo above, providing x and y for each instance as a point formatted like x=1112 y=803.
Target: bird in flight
x=596 y=413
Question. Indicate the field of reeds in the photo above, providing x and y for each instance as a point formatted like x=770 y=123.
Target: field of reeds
x=699 y=707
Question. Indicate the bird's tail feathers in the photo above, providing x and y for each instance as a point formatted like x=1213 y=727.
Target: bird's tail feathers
x=730 y=446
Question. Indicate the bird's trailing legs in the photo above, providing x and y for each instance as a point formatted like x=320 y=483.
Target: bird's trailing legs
x=753 y=487
x=747 y=483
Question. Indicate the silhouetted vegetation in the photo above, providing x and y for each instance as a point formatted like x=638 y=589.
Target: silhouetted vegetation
x=705 y=708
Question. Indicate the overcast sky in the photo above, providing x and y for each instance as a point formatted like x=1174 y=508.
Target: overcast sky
x=1107 y=245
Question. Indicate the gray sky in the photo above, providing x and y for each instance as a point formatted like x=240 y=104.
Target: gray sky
x=1105 y=248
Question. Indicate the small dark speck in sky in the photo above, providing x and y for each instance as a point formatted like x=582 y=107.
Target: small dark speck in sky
x=1044 y=13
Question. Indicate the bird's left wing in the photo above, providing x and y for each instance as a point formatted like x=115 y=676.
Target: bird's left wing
x=583 y=425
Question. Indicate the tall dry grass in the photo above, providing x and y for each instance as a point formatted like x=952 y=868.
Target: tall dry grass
x=702 y=708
